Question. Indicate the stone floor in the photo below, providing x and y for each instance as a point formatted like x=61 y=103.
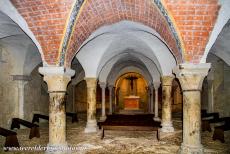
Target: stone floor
x=120 y=142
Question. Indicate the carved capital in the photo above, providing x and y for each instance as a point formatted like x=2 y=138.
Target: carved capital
x=57 y=78
x=167 y=80
x=91 y=82
x=102 y=85
x=191 y=76
x=156 y=85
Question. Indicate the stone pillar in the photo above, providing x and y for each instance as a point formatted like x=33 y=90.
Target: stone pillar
x=156 y=87
x=151 y=98
x=191 y=78
x=103 y=116
x=22 y=80
x=91 y=125
x=148 y=96
x=110 y=99
x=166 y=104
x=57 y=79
x=210 y=96
x=74 y=110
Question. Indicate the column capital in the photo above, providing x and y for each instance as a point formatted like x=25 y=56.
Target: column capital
x=110 y=87
x=102 y=84
x=156 y=85
x=56 y=71
x=167 y=80
x=90 y=82
x=191 y=76
x=57 y=78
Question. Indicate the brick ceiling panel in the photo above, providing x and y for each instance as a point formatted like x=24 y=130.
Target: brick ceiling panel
x=97 y=13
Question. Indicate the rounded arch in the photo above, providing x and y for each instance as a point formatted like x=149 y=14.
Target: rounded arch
x=103 y=48
x=112 y=78
x=7 y=9
x=22 y=49
x=80 y=72
x=221 y=47
x=82 y=23
x=222 y=20
x=129 y=59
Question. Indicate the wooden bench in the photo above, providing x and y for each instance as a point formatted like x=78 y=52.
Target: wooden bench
x=11 y=138
x=122 y=118
x=207 y=118
x=219 y=130
x=143 y=122
x=37 y=116
x=73 y=115
x=34 y=128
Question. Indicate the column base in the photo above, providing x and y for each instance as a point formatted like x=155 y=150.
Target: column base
x=167 y=127
x=156 y=119
x=57 y=149
x=91 y=127
x=189 y=149
x=103 y=118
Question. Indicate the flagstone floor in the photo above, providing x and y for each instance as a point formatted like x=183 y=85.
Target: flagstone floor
x=122 y=142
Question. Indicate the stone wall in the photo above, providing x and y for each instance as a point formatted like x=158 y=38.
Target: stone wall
x=36 y=96
x=221 y=89
x=8 y=90
x=221 y=86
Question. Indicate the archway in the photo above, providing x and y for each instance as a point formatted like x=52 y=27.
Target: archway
x=131 y=92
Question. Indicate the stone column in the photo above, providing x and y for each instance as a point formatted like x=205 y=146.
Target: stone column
x=210 y=96
x=151 y=98
x=166 y=104
x=91 y=125
x=103 y=116
x=57 y=79
x=148 y=96
x=74 y=110
x=110 y=99
x=210 y=79
x=191 y=78
x=156 y=87
x=22 y=80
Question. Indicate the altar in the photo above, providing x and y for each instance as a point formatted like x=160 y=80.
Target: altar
x=131 y=102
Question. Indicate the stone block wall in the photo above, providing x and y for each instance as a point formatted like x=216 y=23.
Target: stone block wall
x=36 y=96
x=221 y=87
x=8 y=90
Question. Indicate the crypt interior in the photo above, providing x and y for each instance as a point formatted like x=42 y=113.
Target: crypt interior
x=115 y=76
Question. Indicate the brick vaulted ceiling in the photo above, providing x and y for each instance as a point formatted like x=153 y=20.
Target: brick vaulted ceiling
x=46 y=19
x=185 y=25
x=97 y=13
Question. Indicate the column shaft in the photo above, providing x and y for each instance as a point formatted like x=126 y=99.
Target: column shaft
x=191 y=118
x=156 y=116
x=57 y=119
x=103 y=116
x=74 y=110
x=21 y=100
x=91 y=125
x=151 y=99
x=110 y=99
x=210 y=96
x=167 y=104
